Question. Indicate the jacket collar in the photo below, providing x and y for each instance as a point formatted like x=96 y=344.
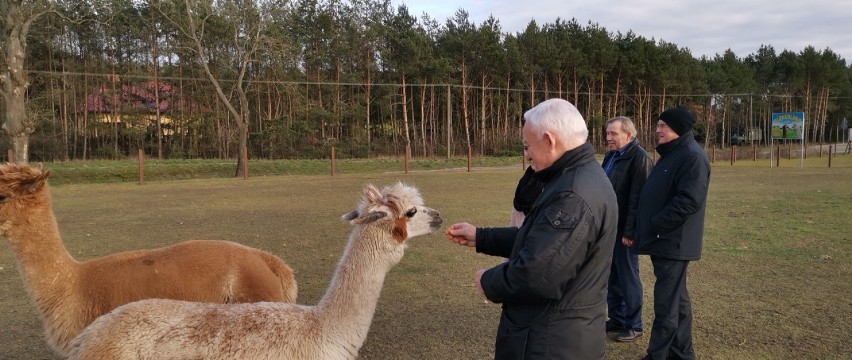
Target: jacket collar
x=627 y=149
x=668 y=147
x=570 y=158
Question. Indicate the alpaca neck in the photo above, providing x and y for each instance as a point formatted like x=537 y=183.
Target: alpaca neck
x=350 y=302
x=45 y=264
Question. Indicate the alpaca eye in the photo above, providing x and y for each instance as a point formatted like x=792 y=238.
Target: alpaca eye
x=410 y=213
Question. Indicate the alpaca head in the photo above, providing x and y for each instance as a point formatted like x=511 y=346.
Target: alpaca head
x=20 y=188
x=398 y=208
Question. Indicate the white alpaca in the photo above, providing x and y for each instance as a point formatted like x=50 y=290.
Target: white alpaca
x=333 y=329
x=70 y=295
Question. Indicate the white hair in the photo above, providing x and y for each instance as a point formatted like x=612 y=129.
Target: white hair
x=561 y=118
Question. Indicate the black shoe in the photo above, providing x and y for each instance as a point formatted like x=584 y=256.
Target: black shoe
x=611 y=326
x=628 y=335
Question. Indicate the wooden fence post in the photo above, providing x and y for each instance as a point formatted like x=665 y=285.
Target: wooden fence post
x=713 y=154
x=829 y=155
x=332 y=160
x=733 y=154
x=407 y=156
x=141 y=167
x=778 y=157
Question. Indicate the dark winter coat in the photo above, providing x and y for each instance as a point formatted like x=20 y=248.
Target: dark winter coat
x=670 y=222
x=553 y=287
x=628 y=175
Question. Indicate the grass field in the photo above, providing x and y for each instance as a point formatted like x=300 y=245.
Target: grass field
x=774 y=281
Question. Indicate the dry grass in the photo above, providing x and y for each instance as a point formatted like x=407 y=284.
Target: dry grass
x=774 y=282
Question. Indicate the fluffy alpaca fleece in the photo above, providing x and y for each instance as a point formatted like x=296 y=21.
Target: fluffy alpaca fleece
x=333 y=329
x=69 y=295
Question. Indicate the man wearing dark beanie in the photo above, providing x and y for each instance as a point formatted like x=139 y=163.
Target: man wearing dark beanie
x=679 y=119
x=670 y=228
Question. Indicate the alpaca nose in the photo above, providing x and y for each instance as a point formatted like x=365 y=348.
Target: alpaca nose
x=436 y=218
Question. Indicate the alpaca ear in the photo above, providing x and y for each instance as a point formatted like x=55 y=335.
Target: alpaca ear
x=350 y=215
x=366 y=218
x=30 y=186
x=371 y=194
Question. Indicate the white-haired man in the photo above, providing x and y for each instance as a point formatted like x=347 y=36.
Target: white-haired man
x=553 y=287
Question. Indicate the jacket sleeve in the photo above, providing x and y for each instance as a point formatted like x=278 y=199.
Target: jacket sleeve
x=496 y=241
x=690 y=192
x=641 y=168
x=552 y=253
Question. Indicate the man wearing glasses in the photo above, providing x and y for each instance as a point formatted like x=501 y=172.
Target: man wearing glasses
x=670 y=227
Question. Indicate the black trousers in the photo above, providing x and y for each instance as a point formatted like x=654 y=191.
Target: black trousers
x=671 y=334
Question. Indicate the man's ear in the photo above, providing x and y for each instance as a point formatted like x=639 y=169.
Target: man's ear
x=551 y=140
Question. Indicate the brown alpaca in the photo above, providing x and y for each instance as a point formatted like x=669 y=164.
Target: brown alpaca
x=69 y=294
x=334 y=329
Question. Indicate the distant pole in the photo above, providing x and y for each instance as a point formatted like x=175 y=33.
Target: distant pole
x=407 y=156
x=733 y=153
x=449 y=123
x=778 y=157
x=713 y=154
x=10 y=154
x=754 y=150
x=469 y=156
x=332 y=160
x=773 y=151
x=141 y=167
x=829 y=155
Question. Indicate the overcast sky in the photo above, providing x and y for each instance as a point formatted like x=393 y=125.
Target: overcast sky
x=706 y=27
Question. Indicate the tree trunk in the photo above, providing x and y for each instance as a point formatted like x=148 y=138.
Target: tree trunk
x=367 y=103
x=482 y=115
x=423 y=135
x=14 y=81
x=464 y=108
x=405 y=112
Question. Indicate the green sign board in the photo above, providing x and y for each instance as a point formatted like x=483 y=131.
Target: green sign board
x=788 y=125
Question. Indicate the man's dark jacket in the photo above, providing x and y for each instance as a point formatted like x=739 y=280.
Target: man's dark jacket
x=670 y=222
x=553 y=287
x=628 y=175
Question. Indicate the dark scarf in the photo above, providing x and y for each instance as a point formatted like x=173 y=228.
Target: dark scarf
x=668 y=147
x=527 y=191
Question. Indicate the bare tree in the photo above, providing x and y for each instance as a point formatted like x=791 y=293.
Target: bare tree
x=14 y=80
x=240 y=29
